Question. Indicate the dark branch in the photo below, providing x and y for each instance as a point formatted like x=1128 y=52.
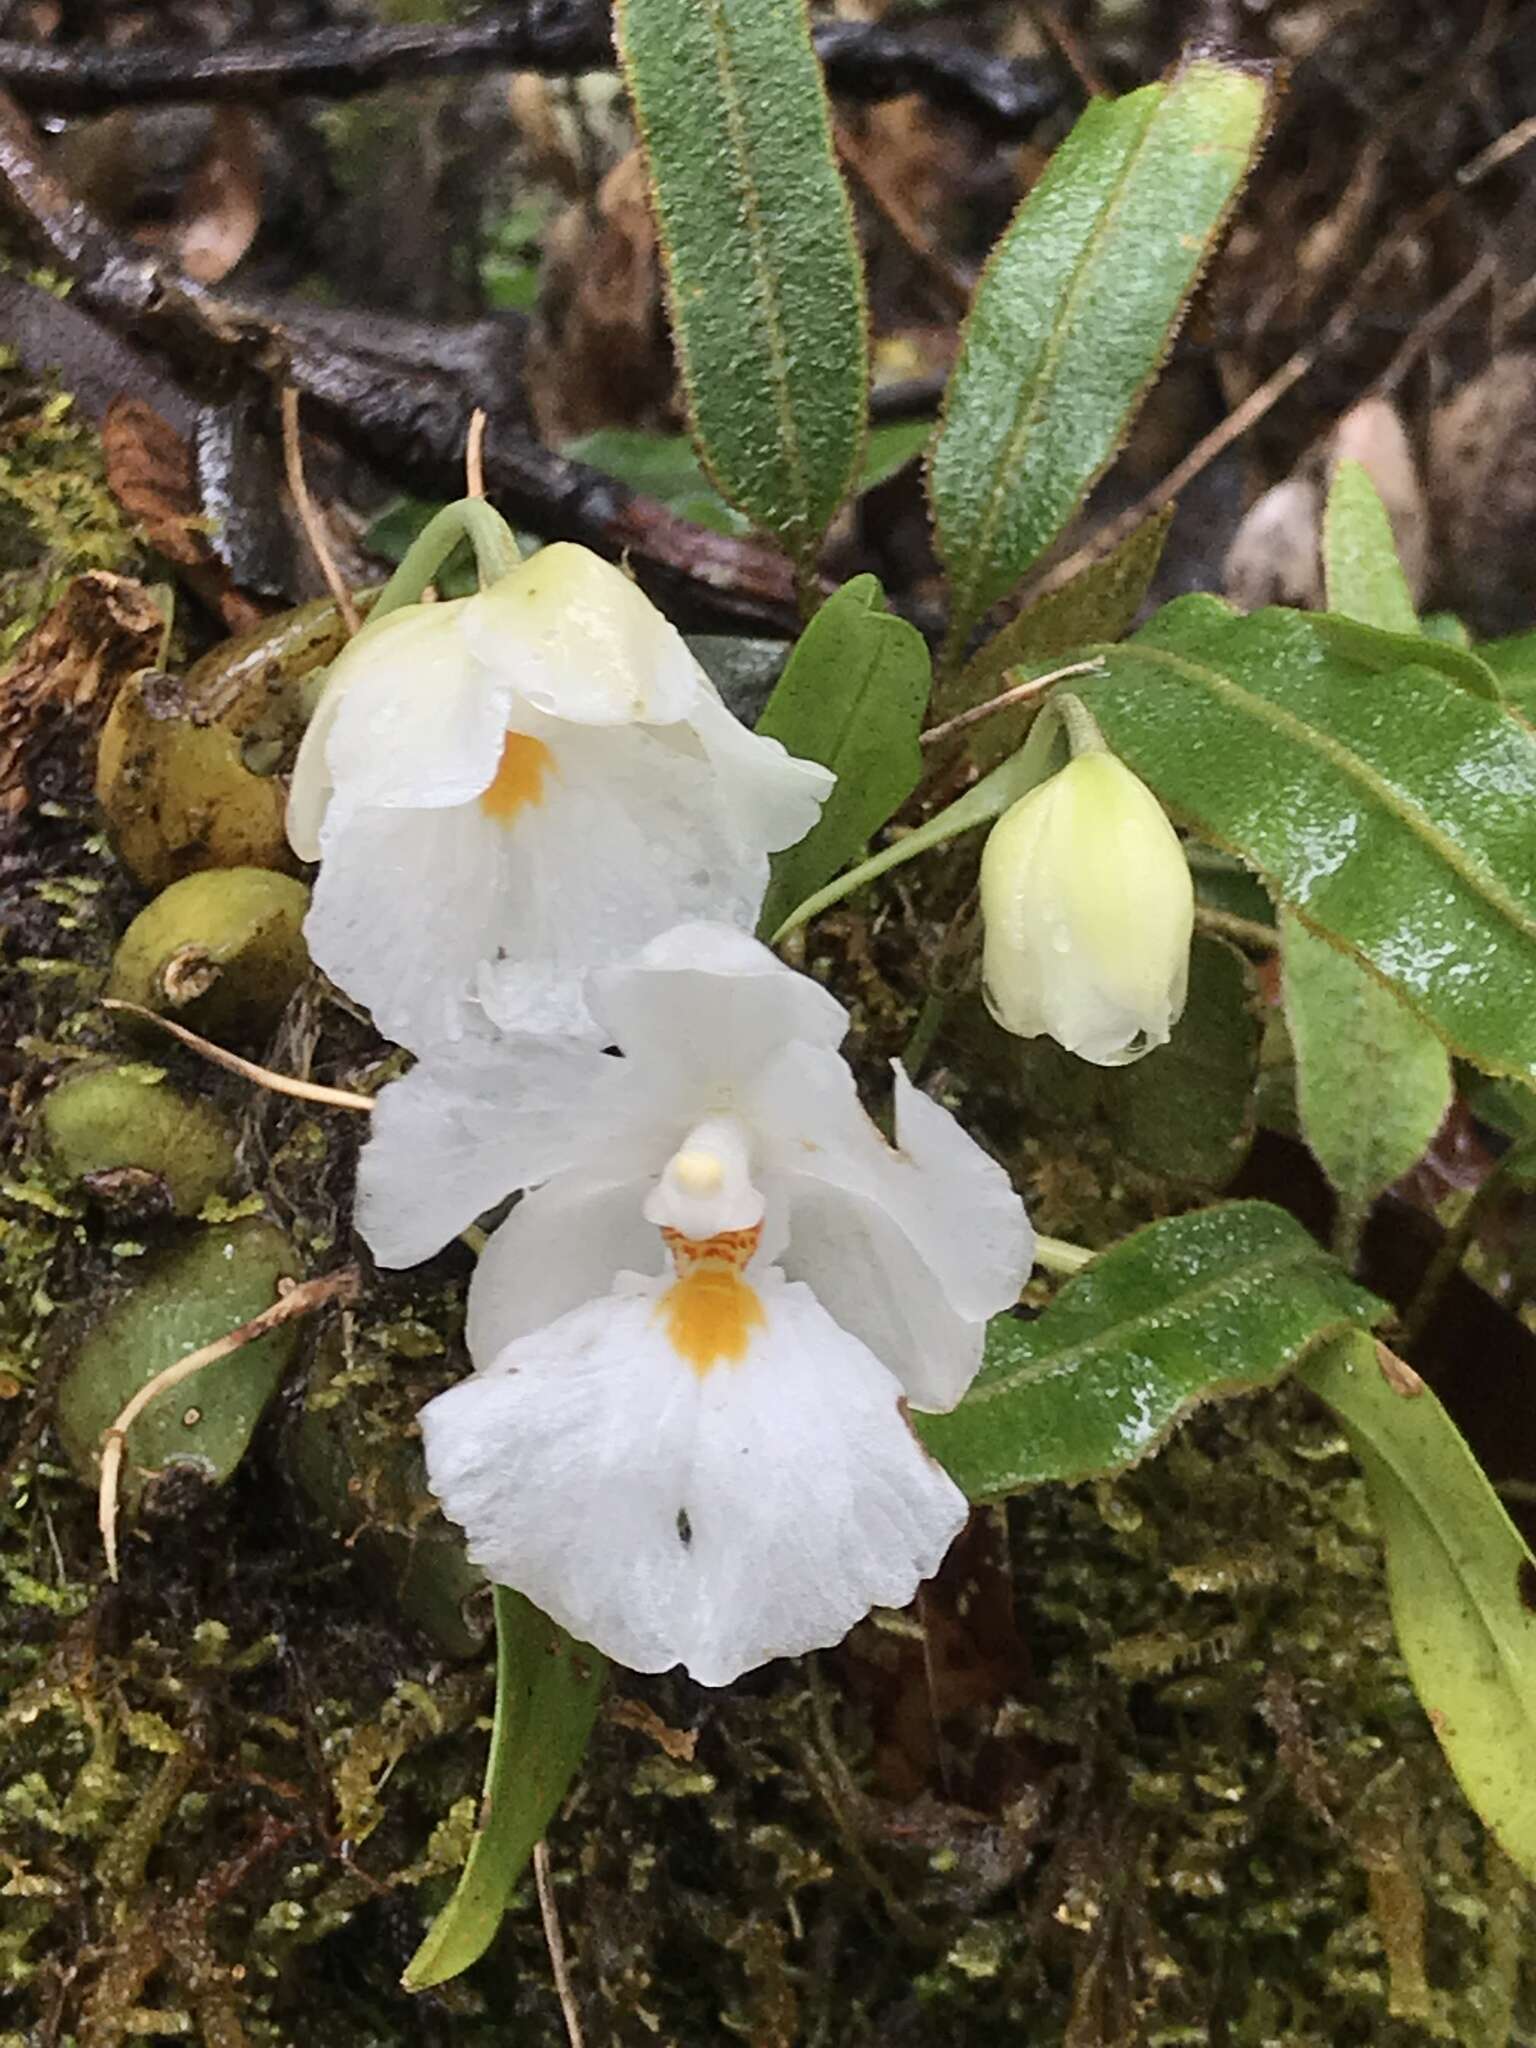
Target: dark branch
x=396 y=393
x=864 y=61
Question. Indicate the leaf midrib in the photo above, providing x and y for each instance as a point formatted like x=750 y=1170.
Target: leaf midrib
x=1028 y=414
x=1271 y=1264
x=1264 y=711
x=766 y=290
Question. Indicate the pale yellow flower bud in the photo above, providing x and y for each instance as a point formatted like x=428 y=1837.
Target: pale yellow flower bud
x=1089 y=911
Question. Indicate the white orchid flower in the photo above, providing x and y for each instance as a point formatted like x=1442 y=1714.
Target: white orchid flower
x=506 y=790
x=685 y=1438
x=1088 y=910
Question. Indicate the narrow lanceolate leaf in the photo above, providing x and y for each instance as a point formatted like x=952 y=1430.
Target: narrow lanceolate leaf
x=1373 y=1083
x=763 y=275
x=1100 y=603
x=1461 y=1582
x=1361 y=571
x=547 y=1690
x=1074 y=314
x=1391 y=812
x=1212 y=1303
x=852 y=697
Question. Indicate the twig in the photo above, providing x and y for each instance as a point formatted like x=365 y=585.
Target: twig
x=554 y=1941
x=474 y=455
x=264 y=1077
x=1242 y=931
x=298 y=1301
x=1486 y=160
x=314 y=530
x=560 y=38
x=1020 y=693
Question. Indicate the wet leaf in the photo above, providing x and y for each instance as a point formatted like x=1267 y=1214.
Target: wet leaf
x=547 y=1690
x=1099 y=604
x=180 y=1302
x=1362 y=575
x=764 y=282
x=1391 y=813
x=1216 y=1302
x=1373 y=1083
x=1074 y=314
x=1513 y=662
x=1461 y=1582
x=852 y=696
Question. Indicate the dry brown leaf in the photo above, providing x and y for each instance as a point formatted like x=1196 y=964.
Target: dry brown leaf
x=598 y=355
x=101 y=630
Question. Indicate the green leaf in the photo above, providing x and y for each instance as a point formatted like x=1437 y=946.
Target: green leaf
x=763 y=275
x=1384 y=653
x=664 y=466
x=852 y=696
x=1461 y=1582
x=1185 y=1111
x=1212 y=1303
x=1393 y=815
x=1074 y=314
x=547 y=1690
x=1100 y=603
x=1361 y=572
x=1513 y=662
x=1373 y=1083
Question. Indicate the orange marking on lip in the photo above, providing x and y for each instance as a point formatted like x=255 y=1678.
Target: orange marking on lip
x=519 y=777
x=710 y=1311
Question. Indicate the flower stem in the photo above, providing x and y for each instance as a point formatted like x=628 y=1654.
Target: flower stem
x=983 y=802
x=471 y=519
x=1060 y=1255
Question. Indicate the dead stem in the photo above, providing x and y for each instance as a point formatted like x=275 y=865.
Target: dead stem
x=314 y=532
x=299 y=1300
x=554 y=1941
x=474 y=455
x=1021 y=693
x=263 y=1077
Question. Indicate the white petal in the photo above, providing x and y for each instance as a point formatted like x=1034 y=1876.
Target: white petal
x=776 y=796
x=404 y=909
x=715 y=1520
x=471 y=1124
x=418 y=721
x=710 y=1005
x=563 y=1245
x=578 y=640
x=630 y=838
x=309 y=788
x=932 y=1239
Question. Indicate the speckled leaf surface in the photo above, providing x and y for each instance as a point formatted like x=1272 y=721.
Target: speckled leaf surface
x=852 y=696
x=1216 y=1302
x=763 y=274
x=1361 y=571
x=1461 y=1582
x=547 y=1691
x=1074 y=314
x=1392 y=813
x=1373 y=1083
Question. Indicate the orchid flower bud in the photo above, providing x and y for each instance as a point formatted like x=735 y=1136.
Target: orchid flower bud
x=1089 y=910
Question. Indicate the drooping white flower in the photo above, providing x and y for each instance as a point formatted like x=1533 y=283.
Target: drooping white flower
x=506 y=790
x=1088 y=910
x=694 y=1340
